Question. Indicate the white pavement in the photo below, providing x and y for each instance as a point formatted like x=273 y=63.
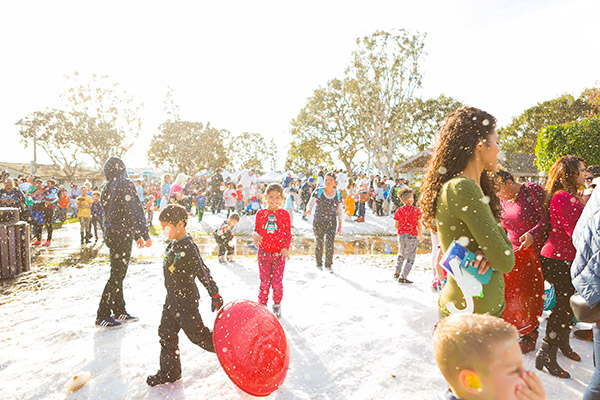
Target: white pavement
x=355 y=334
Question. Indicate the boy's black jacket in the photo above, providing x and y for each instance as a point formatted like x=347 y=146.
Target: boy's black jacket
x=182 y=264
x=223 y=233
x=123 y=212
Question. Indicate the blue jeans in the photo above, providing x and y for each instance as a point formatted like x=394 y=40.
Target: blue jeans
x=593 y=390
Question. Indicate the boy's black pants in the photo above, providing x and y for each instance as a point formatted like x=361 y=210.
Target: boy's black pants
x=48 y=219
x=225 y=248
x=96 y=222
x=173 y=320
x=112 y=297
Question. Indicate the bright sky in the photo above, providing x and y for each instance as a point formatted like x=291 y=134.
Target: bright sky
x=251 y=65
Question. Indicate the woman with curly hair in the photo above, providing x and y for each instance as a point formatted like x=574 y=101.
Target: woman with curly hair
x=564 y=206
x=458 y=200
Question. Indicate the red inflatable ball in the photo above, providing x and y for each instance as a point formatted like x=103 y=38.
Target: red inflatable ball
x=251 y=346
x=524 y=292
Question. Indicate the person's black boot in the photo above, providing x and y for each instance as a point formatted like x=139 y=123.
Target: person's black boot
x=546 y=357
x=566 y=349
x=162 y=377
x=584 y=334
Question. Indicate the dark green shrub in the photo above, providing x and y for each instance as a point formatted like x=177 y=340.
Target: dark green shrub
x=578 y=138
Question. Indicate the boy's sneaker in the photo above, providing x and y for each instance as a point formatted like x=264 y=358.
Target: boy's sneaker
x=126 y=317
x=47 y=243
x=160 y=377
x=229 y=259
x=396 y=275
x=320 y=267
x=277 y=310
x=108 y=323
x=404 y=280
x=37 y=242
x=329 y=269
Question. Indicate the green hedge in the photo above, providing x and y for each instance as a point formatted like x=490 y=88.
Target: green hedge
x=578 y=138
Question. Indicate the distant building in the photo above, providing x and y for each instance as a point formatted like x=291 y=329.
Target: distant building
x=45 y=171
x=521 y=166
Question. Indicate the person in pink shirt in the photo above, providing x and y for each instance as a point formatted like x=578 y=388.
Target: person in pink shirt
x=523 y=216
x=564 y=206
x=526 y=224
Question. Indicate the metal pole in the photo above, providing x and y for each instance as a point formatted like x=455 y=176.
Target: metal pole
x=34 y=166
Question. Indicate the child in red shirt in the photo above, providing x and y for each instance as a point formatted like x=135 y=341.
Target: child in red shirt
x=150 y=209
x=239 y=199
x=408 y=223
x=272 y=234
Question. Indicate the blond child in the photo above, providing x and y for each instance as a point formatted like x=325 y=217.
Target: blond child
x=480 y=358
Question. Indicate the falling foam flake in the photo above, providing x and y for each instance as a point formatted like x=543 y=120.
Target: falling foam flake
x=463 y=241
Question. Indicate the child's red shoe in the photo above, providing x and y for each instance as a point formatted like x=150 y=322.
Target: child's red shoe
x=47 y=243
x=37 y=242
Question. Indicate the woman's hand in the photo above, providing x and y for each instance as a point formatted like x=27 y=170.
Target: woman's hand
x=481 y=262
x=526 y=240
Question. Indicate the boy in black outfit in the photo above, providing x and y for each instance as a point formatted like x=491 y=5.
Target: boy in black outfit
x=182 y=264
x=223 y=236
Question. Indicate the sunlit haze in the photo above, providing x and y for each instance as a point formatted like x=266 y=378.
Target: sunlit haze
x=251 y=65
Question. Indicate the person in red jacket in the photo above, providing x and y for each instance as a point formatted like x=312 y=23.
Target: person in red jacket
x=273 y=236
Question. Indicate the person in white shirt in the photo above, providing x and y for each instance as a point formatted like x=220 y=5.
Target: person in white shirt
x=342 y=184
x=247 y=179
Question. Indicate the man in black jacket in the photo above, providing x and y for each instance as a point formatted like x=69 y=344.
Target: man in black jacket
x=216 y=201
x=124 y=222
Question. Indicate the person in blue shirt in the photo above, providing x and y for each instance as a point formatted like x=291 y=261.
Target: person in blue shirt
x=97 y=214
x=200 y=205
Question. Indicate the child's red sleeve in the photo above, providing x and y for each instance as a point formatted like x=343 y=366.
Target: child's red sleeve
x=288 y=231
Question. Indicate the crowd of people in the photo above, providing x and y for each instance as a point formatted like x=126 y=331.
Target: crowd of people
x=464 y=198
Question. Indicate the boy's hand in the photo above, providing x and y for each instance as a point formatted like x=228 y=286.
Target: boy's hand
x=141 y=243
x=420 y=238
x=285 y=254
x=533 y=389
x=216 y=303
x=256 y=238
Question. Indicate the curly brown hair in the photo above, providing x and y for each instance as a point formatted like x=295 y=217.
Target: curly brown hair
x=459 y=136
x=563 y=178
